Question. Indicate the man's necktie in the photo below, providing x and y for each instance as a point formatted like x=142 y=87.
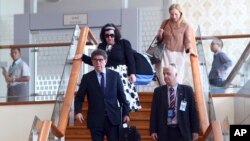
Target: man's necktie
x=172 y=97
x=102 y=82
x=13 y=64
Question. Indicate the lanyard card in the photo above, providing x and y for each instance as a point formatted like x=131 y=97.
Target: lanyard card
x=183 y=105
x=171 y=112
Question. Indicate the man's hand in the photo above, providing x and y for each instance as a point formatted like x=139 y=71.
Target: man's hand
x=218 y=72
x=126 y=119
x=5 y=73
x=195 y=136
x=154 y=136
x=9 y=79
x=79 y=117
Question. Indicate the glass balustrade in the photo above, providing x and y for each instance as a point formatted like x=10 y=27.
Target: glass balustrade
x=35 y=129
x=48 y=68
x=64 y=79
x=237 y=75
x=204 y=75
x=45 y=73
x=232 y=107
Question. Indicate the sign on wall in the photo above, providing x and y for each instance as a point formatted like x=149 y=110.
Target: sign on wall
x=74 y=19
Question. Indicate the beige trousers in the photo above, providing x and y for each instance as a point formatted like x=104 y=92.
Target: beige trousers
x=171 y=57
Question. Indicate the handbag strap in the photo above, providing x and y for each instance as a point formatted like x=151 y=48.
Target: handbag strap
x=163 y=32
x=152 y=41
x=155 y=36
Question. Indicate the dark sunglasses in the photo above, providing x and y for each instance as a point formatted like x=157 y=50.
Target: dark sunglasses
x=109 y=35
x=97 y=60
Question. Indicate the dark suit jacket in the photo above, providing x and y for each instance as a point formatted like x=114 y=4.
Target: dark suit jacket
x=98 y=102
x=187 y=120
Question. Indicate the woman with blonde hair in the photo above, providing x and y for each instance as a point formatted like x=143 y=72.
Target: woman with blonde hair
x=178 y=37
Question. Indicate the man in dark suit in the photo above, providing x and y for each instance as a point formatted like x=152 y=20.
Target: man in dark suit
x=173 y=112
x=104 y=89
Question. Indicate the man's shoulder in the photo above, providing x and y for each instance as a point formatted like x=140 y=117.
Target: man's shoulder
x=112 y=72
x=123 y=40
x=23 y=62
x=160 y=88
x=221 y=53
x=184 y=86
x=89 y=73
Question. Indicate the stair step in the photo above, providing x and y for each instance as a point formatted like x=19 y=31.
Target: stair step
x=141 y=114
x=88 y=138
x=140 y=119
x=79 y=138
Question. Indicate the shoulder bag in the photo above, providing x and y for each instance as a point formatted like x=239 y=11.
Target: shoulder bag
x=155 y=50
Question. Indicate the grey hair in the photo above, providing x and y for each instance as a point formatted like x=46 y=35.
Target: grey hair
x=173 y=66
x=218 y=42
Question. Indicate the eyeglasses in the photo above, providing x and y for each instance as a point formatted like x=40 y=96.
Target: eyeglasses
x=98 y=60
x=109 y=35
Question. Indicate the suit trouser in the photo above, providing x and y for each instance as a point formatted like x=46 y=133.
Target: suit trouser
x=111 y=131
x=174 y=133
x=216 y=82
x=19 y=92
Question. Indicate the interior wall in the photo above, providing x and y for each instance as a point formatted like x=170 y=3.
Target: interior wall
x=86 y=5
x=224 y=107
x=242 y=114
x=16 y=121
x=236 y=109
x=11 y=7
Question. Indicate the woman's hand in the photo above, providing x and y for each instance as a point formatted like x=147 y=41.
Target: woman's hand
x=195 y=136
x=78 y=56
x=132 y=78
x=192 y=52
x=159 y=34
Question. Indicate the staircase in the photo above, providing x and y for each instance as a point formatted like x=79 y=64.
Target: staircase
x=80 y=132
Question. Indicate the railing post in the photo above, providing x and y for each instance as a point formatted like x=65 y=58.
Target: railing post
x=62 y=124
x=198 y=90
x=45 y=130
x=216 y=130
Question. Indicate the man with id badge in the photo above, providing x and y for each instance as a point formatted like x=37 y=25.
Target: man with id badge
x=173 y=112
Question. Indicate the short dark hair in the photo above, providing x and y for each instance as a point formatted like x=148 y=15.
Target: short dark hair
x=16 y=48
x=99 y=52
x=107 y=27
x=218 y=42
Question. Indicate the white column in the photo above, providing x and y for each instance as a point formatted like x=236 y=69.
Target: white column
x=30 y=6
x=166 y=4
x=124 y=4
